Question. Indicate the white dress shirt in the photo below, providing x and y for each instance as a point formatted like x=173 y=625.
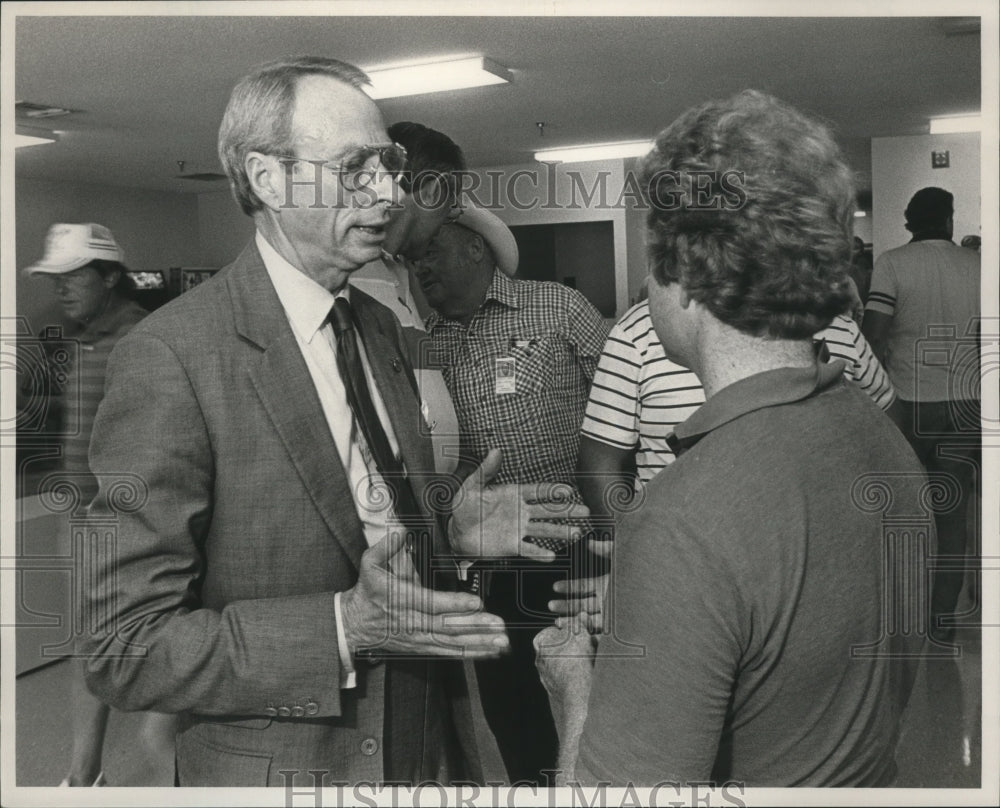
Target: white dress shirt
x=307 y=305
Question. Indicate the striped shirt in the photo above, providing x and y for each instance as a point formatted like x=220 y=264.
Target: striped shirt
x=519 y=374
x=639 y=396
x=844 y=340
x=84 y=387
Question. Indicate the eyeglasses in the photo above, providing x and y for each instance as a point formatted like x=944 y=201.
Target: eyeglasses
x=356 y=170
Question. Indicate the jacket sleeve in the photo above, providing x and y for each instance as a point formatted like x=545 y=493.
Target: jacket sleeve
x=152 y=643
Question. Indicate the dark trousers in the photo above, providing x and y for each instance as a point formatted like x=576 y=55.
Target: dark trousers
x=946 y=437
x=419 y=739
x=514 y=701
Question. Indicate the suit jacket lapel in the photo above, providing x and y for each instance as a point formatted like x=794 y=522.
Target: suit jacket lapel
x=282 y=381
x=389 y=369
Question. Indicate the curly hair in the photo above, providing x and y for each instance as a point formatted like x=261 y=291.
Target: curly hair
x=751 y=210
x=259 y=115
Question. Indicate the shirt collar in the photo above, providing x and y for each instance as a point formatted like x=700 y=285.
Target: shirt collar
x=771 y=388
x=502 y=289
x=307 y=304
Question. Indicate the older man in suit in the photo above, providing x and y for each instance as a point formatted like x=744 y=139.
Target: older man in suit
x=268 y=425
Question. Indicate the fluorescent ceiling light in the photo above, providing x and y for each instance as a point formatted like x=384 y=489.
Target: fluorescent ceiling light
x=21 y=141
x=859 y=214
x=30 y=136
x=955 y=123
x=435 y=77
x=599 y=151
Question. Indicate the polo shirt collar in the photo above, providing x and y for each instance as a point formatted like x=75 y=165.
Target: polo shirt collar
x=771 y=388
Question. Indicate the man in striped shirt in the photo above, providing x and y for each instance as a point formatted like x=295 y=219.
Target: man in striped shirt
x=639 y=396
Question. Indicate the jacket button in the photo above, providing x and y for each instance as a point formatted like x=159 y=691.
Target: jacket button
x=284 y=712
x=271 y=711
x=369 y=746
x=298 y=711
x=311 y=708
x=397 y=365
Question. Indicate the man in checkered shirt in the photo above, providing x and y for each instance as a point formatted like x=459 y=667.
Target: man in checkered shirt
x=518 y=358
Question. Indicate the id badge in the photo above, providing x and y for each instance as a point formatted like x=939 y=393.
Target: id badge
x=505 y=380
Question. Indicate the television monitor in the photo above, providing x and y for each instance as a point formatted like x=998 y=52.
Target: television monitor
x=149 y=280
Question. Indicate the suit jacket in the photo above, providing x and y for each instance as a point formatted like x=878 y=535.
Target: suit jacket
x=225 y=525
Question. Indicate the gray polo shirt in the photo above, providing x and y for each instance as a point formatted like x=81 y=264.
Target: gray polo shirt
x=746 y=578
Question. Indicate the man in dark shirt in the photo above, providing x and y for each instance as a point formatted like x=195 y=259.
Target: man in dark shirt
x=747 y=634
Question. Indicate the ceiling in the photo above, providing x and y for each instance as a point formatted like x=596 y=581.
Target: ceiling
x=151 y=90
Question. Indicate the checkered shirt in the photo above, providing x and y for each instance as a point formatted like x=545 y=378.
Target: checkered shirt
x=554 y=337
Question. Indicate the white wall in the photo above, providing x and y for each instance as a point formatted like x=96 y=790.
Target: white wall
x=534 y=193
x=223 y=229
x=156 y=229
x=863 y=228
x=635 y=236
x=901 y=166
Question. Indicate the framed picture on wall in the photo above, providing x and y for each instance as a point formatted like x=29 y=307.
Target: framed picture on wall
x=192 y=276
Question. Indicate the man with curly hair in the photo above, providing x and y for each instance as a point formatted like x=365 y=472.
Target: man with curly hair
x=744 y=637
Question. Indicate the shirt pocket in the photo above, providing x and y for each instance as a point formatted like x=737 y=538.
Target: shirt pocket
x=534 y=367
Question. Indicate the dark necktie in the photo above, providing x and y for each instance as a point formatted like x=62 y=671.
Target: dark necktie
x=410 y=726
x=359 y=397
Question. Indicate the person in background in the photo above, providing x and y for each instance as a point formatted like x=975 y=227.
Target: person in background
x=91 y=284
x=429 y=184
x=922 y=320
x=748 y=574
x=861 y=267
x=639 y=396
x=518 y=357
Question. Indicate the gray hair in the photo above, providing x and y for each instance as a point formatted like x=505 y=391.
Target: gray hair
x=259 y=115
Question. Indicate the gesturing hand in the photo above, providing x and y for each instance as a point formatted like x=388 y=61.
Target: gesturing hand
x=388 y=611
x=492 y=521
x=584 y=596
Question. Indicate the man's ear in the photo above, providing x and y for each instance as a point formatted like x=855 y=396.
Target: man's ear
x=476 y=248
x=111 y=279
x=267 y=179
x=429 y=194
x=683 y=298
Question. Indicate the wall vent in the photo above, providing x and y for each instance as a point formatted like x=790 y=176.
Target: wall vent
x=29 y=109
